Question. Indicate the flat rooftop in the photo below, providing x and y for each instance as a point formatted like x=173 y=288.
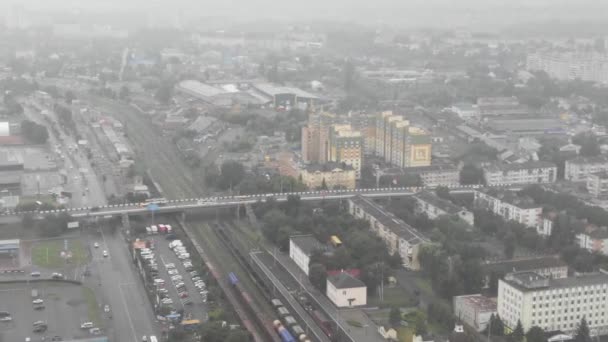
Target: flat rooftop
x=396 y=225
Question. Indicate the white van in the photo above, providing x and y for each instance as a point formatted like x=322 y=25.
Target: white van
x=86 y=325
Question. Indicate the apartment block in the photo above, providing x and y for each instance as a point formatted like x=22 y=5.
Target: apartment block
x=346 y=146
x=597 y=183
x=334 y=175
x=570 y=65
x=315 y=137
x=577 y=169
x=436 y=175
x=435 y=207
x=548 y=266
x=510 y=206
x=532 y=172
x=401 y=144
x=554 y=304
x=595 y=241
x=398 y=236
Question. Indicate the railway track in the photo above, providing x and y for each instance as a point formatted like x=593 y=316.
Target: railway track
x=225 y=262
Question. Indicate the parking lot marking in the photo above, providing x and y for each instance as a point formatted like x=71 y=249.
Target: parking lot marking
x=124 y=303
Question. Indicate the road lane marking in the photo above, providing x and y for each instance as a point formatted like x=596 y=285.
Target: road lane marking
x=124 y=303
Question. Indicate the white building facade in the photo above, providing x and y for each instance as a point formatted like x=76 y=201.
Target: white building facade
x=554 y=304
x=535 y=172
x=577 y=169
x=346 y=291
x=524 y=213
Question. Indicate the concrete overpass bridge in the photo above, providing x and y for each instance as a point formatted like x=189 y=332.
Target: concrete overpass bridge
x=179 y=205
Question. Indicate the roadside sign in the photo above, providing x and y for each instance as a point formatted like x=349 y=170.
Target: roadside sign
x=153 y=207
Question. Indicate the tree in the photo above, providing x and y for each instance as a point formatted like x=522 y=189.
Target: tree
x=213 y=332
x=536 y=334
x=518 y=333
x=496 y=326
x=33 y=132
x=164 y=93
x=420 y=323
x=509 y=244
x=323 y=185
x=69 y=97
x=124 y=93
x=232 y=173
x=237 y=336
x=317 y=274
x=394 y=317
x=582 y=332
x=589 y=144
x=470 y=174
x=443 y=192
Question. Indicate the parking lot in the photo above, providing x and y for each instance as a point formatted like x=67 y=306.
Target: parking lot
x=65 y=309
x=197 y=309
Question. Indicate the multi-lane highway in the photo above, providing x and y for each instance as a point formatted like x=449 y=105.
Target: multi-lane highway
x=177 y=205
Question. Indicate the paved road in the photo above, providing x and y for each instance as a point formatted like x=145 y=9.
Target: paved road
x=157 y=153
x=80 y=175
x=122 y=288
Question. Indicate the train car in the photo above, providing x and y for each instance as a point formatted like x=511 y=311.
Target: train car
x=299 y=333
x=276 y=303
x=248 y=302
x=283 y=311
x=283 y=333
x=290 y=321
x=233 y=279
x=335 y=241
x=324 y=323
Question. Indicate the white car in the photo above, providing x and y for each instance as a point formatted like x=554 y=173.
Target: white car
x=86 y=325
x=6 y=319
x=173 y=272
x=170 y=266
x=106 y=308
x=37 y=301
x=105 y=254
x=176 y=278
x=96 y=245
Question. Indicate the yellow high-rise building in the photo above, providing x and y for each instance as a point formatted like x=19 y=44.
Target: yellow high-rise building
x=346 y=146
x=401 y=144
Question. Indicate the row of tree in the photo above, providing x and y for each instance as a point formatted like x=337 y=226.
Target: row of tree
x=496 y=327
x=361 y=248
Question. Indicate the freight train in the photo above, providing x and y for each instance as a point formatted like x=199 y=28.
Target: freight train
x=246 y=300
x=290 y=322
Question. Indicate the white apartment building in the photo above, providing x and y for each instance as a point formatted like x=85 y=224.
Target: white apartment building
x=597 y=183
x=301 y=248
x=554 y=304
x=434 y=207
x=594 y=241
x=510 y=206
x=398 y=236
x=533 y=172
x=436 y=175
x=571 y=65
x=577 y=169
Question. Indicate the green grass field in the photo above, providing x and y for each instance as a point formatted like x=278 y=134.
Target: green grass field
x=93 y=310
x=47 y=254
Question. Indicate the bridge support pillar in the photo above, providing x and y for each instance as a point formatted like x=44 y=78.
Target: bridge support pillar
x=238 y=212
x=182 y=216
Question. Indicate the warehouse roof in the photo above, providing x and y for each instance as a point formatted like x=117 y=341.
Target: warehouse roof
x=196 y=88
x=273 y=90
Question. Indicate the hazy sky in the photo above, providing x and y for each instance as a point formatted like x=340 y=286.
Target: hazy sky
x=395 y=12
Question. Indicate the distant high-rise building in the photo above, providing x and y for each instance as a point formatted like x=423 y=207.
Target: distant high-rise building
x=401 y=144
x=571 y=65
x=366 y=124
x=346 y=146
x=315 y=137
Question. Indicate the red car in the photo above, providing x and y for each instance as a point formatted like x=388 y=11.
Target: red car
x=183 y=294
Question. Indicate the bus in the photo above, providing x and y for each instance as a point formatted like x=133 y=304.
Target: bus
x=157 y=201
x=335 y=241
x=191 y=324
x=153 y=339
